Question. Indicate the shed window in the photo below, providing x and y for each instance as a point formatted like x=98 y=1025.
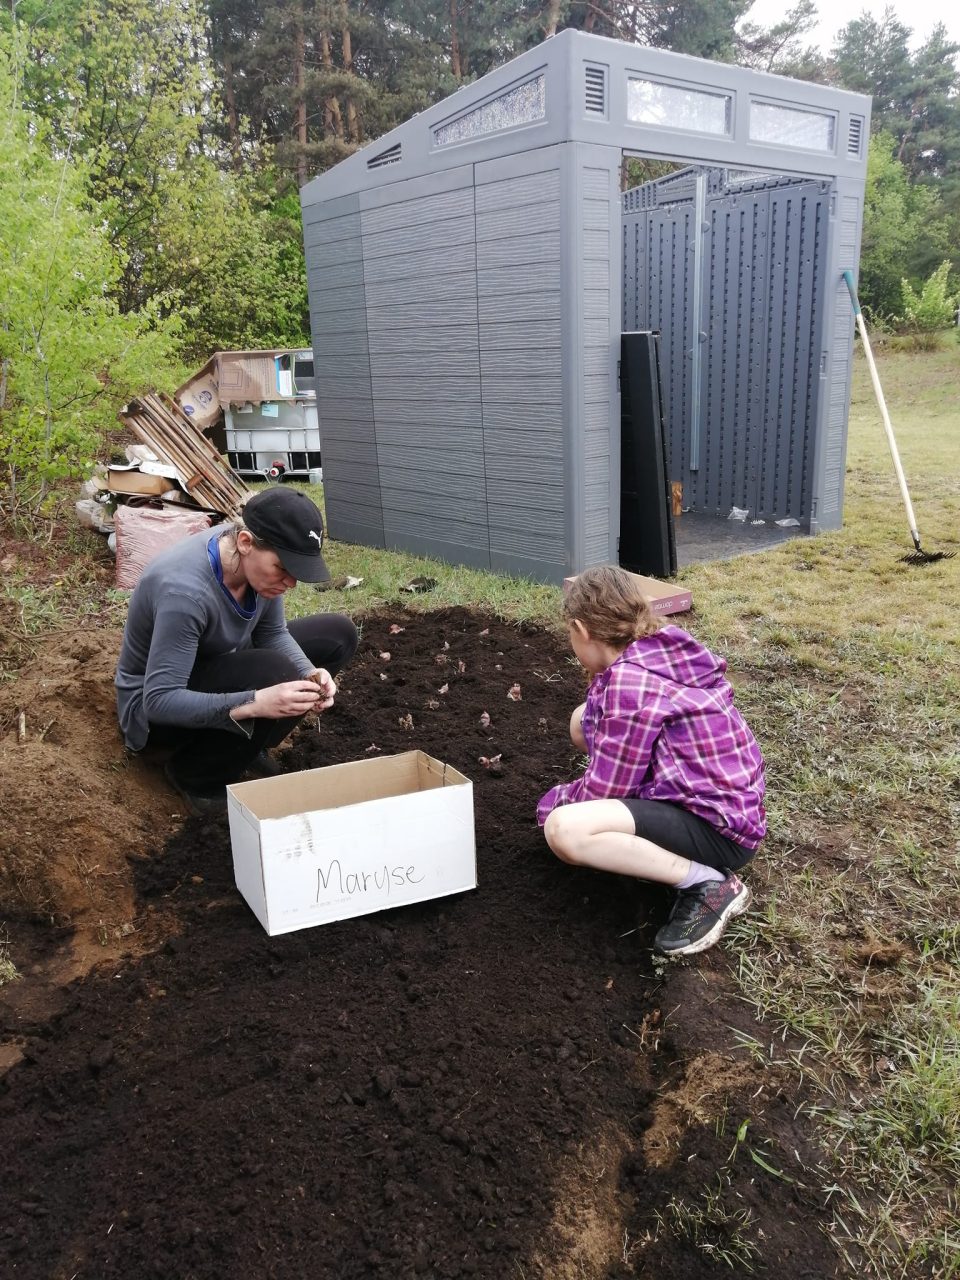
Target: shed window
x=674 y=107
x=791 y=127
x=524 y=104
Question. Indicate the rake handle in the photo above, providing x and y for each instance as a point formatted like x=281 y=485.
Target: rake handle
x=887 y=424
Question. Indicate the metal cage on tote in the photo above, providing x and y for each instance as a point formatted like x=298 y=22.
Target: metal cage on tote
x=471 y=273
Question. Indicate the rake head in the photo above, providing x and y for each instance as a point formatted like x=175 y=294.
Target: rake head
x=920 y=557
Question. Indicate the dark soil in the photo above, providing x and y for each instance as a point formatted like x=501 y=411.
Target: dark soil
x=499 y=1084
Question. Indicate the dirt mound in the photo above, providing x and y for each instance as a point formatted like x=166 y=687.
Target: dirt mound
x=74 y=806
x=498 y=1084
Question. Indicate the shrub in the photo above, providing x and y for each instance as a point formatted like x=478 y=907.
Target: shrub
x=932 y=309
x=68 y=357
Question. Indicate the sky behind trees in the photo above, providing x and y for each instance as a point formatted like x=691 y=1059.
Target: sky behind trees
x=921 y=16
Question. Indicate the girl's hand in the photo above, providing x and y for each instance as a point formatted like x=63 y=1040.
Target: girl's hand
x=576 y=728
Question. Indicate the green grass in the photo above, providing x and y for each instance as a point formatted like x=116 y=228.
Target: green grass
x=385 y=573
x=722 y=1231
x=846 y=662
x=37 y=597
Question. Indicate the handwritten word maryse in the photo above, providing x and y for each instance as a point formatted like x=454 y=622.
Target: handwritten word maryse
x=380 y=880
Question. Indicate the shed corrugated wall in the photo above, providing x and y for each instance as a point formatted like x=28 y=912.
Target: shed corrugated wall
x=444 y=400
x=598 y=294
x=338 y=322
x=760 y=330
x=519 y=282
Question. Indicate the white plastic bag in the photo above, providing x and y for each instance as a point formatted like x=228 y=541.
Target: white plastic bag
x=92 y=514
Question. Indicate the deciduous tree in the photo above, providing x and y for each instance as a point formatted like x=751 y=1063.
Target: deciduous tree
x=905 y=230
x=68 y=356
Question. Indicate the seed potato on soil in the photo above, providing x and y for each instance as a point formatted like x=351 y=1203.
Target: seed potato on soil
x=498 y=1084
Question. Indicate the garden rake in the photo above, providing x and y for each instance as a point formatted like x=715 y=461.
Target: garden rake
x=918 y=555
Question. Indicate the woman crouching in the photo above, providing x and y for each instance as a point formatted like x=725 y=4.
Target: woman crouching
x=209 y=666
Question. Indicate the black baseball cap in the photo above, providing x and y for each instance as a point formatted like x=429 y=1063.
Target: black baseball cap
x=292 y=526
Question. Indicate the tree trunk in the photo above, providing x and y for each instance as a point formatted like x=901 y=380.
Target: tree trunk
x=597 y=10
x=233 y=124
x=353 y=132
x=300 y=54
x=332 y=119
x=455 y=44
x=551 y=17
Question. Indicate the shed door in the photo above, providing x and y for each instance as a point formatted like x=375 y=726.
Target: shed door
x=742 y=376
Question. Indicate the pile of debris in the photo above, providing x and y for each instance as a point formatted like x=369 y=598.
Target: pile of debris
x=173 y=484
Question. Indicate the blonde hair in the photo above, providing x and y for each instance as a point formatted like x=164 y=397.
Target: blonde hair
x=611 y=605
x=236 y=525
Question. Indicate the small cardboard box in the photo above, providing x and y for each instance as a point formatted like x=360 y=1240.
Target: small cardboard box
x=134 y=481
x=200 y=399
x=663 y=597
x=350 y=839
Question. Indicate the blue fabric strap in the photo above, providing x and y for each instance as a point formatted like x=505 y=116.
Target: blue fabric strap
x=249 y=606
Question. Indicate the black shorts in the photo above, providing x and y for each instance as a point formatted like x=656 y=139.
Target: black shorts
x=679 y=831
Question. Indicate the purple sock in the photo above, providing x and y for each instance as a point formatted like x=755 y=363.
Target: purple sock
x=699 y=874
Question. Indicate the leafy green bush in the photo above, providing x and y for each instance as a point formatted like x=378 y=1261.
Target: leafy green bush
x=68 y=357
x=905 y=230
x=932 y=309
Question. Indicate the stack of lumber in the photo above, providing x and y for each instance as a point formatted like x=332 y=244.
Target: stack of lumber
x=161 y=424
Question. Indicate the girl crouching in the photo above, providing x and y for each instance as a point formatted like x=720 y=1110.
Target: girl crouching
x=673 y=789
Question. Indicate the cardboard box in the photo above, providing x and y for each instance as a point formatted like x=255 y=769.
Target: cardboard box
x=664 y=597
x=350 y=839
x=199 y=397
x=133 y=480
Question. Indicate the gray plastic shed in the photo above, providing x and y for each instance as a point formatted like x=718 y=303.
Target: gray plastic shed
x=470 y=274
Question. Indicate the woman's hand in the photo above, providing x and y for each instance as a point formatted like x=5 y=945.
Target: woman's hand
x=327 y=686
x=280 y=701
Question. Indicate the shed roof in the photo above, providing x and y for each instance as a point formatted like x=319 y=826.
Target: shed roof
x=586 y=88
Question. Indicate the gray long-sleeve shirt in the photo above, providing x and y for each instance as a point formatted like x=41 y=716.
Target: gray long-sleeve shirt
x=179 y=614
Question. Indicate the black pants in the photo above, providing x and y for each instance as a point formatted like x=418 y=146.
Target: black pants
x=205 y=760
x=678 y=830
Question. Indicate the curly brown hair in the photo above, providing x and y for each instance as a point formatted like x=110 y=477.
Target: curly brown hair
x=611 y=605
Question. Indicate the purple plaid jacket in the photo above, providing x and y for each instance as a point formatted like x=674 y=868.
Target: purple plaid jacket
x=660 y=724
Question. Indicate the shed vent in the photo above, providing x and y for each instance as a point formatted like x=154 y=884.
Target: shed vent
x=855 y=137
x=595 y=94
x=390 y=156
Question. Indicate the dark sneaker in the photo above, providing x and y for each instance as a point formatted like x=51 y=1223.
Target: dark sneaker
x=264 y=766
x=200 y=805
x=699 y=916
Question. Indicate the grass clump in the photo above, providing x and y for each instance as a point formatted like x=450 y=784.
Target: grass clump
x=8 y=970
x=724 y=1233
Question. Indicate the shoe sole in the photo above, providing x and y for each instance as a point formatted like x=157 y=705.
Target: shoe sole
x=735 y=908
